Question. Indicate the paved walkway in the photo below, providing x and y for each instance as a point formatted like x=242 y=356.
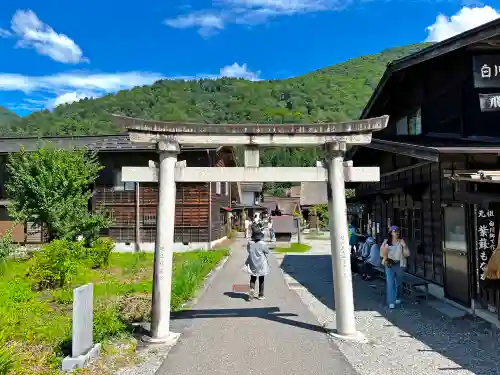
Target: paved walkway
x=413 y=340
x=225 y=334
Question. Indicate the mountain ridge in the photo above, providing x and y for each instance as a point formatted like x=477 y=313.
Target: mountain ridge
x=331 y=94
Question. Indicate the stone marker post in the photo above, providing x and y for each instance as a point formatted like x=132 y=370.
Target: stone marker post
x=83 y=350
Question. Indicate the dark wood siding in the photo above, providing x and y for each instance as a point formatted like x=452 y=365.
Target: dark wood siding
x=418 y=215
x=191 y=206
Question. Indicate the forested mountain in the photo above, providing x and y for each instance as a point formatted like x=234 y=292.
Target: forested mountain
x=7 y=117
x=335 y=93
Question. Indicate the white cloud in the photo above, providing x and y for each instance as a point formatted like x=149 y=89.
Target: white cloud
x=248 y=12
x=69 y=97
x=54 y=90
x=207 y=23
x=64 y=88
x=31 y=32
x=239 y=71
x=70 y=81
x=466 y=19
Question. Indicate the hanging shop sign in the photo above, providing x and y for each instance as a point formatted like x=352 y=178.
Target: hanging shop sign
x=486 y=71
x=489 y=102
x=486 y=238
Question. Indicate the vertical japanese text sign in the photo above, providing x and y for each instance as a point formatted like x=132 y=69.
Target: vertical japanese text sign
x=486 y=238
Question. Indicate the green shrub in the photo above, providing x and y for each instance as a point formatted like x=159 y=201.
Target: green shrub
x=56 y=263
x=7 y=248
x=100 y=252
x=7 y=357
x=107 y=323
x=7 y=360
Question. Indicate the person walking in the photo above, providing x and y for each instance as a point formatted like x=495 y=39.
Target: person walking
x=270 y=229
x=354 y=236
x=371 y=257
x=395 y=253
x=257 y=263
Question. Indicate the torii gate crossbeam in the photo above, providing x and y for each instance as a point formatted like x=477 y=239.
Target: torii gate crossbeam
x=336 y=138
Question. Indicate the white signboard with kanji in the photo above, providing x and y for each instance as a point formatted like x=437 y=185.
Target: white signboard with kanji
x=486 y=238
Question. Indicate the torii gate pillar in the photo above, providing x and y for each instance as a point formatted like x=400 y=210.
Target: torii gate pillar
x=339 y=242
x=165 y=220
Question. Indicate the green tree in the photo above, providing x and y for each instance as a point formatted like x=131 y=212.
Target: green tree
x=52 y=187
x=321 y=211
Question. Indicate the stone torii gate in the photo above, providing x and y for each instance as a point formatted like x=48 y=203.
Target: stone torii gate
x=169 y=136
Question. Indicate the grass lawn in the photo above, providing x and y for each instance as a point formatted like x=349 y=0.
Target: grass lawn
x=37 y=325
x=294 y=248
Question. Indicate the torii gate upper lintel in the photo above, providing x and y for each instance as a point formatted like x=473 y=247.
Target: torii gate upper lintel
x=171 y=136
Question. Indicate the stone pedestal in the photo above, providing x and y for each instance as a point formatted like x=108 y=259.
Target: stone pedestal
x=82 y=361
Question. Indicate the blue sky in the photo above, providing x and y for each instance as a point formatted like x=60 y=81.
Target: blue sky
x=54 y=52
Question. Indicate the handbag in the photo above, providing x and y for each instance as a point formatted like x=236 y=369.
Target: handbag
x=387 y=262
x=246 y=269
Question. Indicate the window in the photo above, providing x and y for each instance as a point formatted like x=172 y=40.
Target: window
x=218 y=188
x=410 y=222
x=149 y=219
x=402 y=126
x=454 y=228
x=411 y=124
x=119 y=185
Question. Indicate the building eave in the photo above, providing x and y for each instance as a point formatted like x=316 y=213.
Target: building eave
x=475 y=35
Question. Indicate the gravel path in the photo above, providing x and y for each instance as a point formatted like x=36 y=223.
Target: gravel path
x=415 y=339
x=225 y=334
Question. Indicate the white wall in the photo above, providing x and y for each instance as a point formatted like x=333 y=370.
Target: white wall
x=248 y=198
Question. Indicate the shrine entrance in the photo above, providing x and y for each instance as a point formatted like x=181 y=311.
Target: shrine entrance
x=169 y=136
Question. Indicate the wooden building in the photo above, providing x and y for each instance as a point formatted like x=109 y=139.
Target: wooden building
x=200 y=218
x=444 y=107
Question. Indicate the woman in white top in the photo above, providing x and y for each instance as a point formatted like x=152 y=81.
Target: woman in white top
x=395 y=253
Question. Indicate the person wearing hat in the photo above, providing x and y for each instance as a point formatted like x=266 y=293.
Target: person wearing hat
x=371 y=257
x=395 y=255
x=257 y=263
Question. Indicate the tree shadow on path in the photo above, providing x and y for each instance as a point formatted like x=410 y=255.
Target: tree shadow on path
x=273 y=314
